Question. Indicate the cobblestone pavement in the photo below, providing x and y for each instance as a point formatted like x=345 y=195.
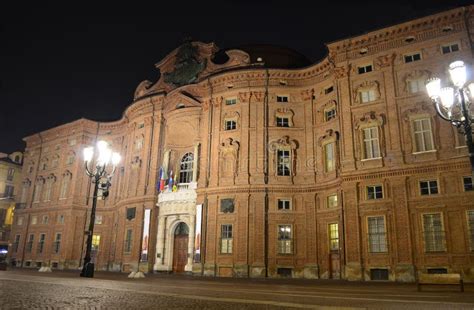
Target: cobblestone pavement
x=28 y=289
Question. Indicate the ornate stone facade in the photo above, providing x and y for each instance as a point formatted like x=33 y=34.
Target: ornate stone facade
x=339 y=169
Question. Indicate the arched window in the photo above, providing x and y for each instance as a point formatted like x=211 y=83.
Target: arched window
x=65 y=185
x=186 y=168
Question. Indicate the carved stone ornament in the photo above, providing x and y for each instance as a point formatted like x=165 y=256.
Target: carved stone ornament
x=420 y=108
x=385 y=60
x=142 y=88
x=370 y=117
x=259 y=95
x=244 y=96
x=283 y=142
x=329 y=135
x=367 y=86
x=307 y=94
x=285 y=113
x=186 y=68
x=415 y=75
x=341 y=72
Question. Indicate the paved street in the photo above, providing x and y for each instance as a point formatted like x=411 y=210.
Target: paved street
x=28 y=289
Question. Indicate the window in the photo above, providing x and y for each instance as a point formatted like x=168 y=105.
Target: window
x=19 y=221
x=60 y=219
x=230 y=124
x=285 y=239
x=70 y=159
x=282 y=122
x=328 y=90
x=282 y=98
x=433 y=232
x=377 y=236
x=72 y=142
x=128 y=241
x=227 y=205
x=45 y=219
x=367 y=95
x=29 y=244
x=423 y=135
x=34 y=220
x=130 y=215
x=57 y=244
x=65 y=185
x=16 y=243
x=334 y=237
x=371 y=143
x=38 y=187
x=8 y=191
x=429 y=187
x=284 y=204
x=48 y=189
x=138 y=144
x=98 y=219
x=412 y=57
x=468 y=186
x=470 y=220
x=24 y=192
x=95 y=245
x=332 y=201
x=186 y=168
x=226 y=239
x=11 y=173
x=283 y=158
x=231 y=101
x=329 y=114
x=374 y=192
x=41 y=243
x=415 y=86
x=450 y=48
x=364 y=69
x=379 y=274
x=437 y=270
x=329 y=160
x=141 y=125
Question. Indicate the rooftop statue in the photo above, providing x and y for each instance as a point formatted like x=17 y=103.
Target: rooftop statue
x=186 y=68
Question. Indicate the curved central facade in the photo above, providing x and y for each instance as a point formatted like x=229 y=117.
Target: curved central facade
x=264 y=165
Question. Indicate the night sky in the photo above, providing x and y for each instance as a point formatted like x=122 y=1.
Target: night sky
x=60 y=62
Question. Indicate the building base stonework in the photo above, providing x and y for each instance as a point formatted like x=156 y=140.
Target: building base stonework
x=353 y=272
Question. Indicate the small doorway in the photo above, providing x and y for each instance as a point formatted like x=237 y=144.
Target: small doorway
x=180 y=248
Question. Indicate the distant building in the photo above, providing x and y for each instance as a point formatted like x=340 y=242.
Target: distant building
x=337 y=169
x=10 y=180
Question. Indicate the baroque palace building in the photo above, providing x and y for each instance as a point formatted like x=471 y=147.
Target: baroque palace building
x=335 y=169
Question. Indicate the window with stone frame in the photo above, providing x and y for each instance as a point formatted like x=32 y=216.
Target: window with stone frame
x=50 y=180
x=67 y=176
x=416 y=86
x=285 y=239
x=226 y=239
x=433 y=233
x=45 y=219
x=230 y=101
x=24 y=191
x=34 y=220
x=284 y=204
x=16 y=243
x=367 y=91
x=328 y=90
x=186 y=168
x=468 y=184
x=331 y=201
x=374 y=192
x=284 y=117
x=329 y=157
x=55 y=161
x=71 y=157
x=41 y=241
x=282 y=122
x=450 y=48
x=333 y=237
x=377 y=238
x=282 y=98
x=370 y=138
x=29 y=244
x=423 y=135
x=128 y=241
x=283 y=162
x=329 y=114
x=8 y=191
x=98 y=219
x=364 y=69
x=139 y=143
x=60 y=219
x=227 y=205
x=428 y=187
x=412 y=57
x=367 y=95
x=10 y=174
x=470 y=222
x=57 y=243
x=230 y=124
x=38 y=189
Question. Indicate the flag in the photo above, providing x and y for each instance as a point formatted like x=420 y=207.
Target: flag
x=162 y=180
x=170 y=181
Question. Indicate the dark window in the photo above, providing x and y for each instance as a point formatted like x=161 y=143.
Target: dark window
x=283 y=168
x=282 y=98
x=284 y=204
x=412 y=58
x=428 y=187
x=365 y=69
x=283 y=122
x=230 y=125
x=186 y=168
x=231 y=101
x=29 y=244
x=226 y=239
x=437 y=271
x=378 y=274
x=41 y=243
x=57 y=244
x=27 y=264
x=468 y=186
x=131 y=213
x=38 y=264
x=374 y=192
x=227 y=205
x=284 y=272
x=330 y=114
x=128 y=241
x=450 y=48
x=54 y=265
x=8 y=191
x=328 y=90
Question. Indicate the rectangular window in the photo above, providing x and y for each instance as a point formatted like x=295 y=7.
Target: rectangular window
x=19 y=221
x=60 y=219
x=329 y=160
x=374 y=192
x=367 y=95
x=429 y=187
x=128 y=241
x=11 y=173
x=231 y=101
x=45 y=219
x=47 y=190
x=423 y=135
x=364 y=69
x=379 y=274
x=16 y=243
x=377 y=236
x=470 y=220
x=37 y=194
x=8 y=191
x=283 y=122
x=334 y=237
x=141 y=125
x=34 y=220
x=282 y=98
x=284 y=204
x=328 y=90
x=330 y=114
x=412 y=57
x=227 y=205
x=29 y=244
x=468 y=186
x=433 y=233
x=95 y=245
x=98 y=219
x=332 y=201
x=230 y=125
x=57 y=244
x=416 y=86
x=450 y=48
x=284 y=161
x=24 y=193
x=41 y=243
x=285 y=239
x=226 y=239
x=138 y=144
x=371 y=143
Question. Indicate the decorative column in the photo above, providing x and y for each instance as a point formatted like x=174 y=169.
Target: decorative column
x=160 y=241
x=195 y=162
x=189 y=265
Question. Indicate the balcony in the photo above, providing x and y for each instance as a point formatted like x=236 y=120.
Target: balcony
x=184 y=192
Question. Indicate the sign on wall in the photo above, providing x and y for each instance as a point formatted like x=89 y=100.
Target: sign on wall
x=197 y=235
x=145 y=235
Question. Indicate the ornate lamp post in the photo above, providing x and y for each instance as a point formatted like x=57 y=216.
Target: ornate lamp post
x=96 y=173
x=455 y=102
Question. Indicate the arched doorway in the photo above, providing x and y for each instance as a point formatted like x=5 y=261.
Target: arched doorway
x=180 y=248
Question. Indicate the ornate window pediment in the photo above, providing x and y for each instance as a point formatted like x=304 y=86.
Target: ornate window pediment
x=415 y=81
x=286 y=115
x=231 y=120
x=371 y=142
x=367 y=91
x=284 y=156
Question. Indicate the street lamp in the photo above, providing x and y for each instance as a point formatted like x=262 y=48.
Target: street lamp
x=96 y=171
x=455 y=102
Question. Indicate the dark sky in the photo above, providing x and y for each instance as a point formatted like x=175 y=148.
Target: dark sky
x=66 y=60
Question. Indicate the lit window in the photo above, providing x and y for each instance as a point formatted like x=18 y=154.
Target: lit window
x=285 y=239
x=329 y=114
x=364 y=69
x=377 y=235
x=371 y=143
x=98 y=219
x=186 y=168
x=65 y=186
x=284 y=161
x=433 y=233
x=231 y=101
x=468 y=186
x=95 y=245
x=34 y=220
x=367 y=96
x=226 y=239
x=412 y=57
x=415 y=86
x=282 y=122
x=423 y=135
x=374 y=192
x=332 y=201
x=284 y=204
x=282 y=98
x=429 y=187
x=230 y=124
x=450 y=48
x=329 y=160
x=334 y=237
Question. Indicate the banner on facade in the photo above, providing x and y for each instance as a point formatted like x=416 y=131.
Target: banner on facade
x=145 y=235
x=197 y=235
